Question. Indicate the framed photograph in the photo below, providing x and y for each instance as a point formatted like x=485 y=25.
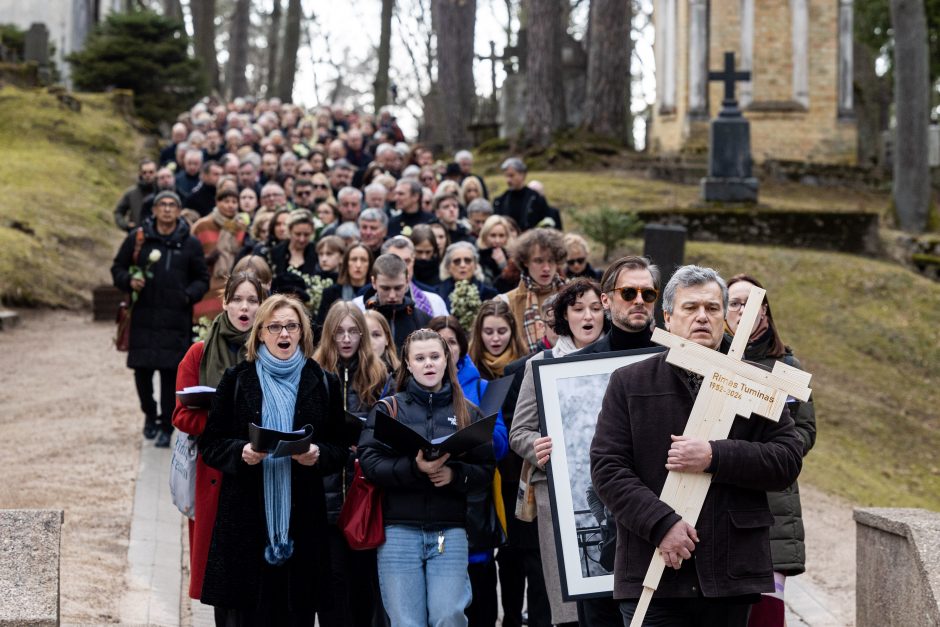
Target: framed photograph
x=570 y=392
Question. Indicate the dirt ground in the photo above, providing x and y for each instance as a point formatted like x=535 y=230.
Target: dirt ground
x=70 y=424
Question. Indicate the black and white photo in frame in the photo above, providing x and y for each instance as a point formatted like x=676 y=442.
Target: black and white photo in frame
x=570 y=391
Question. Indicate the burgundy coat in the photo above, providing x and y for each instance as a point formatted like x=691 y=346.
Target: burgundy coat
x=645 y=403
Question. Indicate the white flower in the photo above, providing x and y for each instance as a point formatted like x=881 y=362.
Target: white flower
x=154 y=256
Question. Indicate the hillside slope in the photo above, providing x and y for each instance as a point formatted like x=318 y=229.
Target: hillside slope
x=61 y=173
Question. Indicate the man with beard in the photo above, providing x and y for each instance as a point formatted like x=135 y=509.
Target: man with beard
x=127 y=213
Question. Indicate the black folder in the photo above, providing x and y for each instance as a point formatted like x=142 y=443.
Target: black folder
x=495 y=395
x=352 y=428
x=196 y=396
x=280 y=443
x=407 y=441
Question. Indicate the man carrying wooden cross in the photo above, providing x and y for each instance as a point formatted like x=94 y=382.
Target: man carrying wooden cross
x=718 y=568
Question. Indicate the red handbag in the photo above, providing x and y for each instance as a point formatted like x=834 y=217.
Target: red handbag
x=361 y=516
x=122 y=338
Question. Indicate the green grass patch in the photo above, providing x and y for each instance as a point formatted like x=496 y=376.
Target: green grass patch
x=61 y=173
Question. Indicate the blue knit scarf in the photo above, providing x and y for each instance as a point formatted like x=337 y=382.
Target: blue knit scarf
x=280 y=380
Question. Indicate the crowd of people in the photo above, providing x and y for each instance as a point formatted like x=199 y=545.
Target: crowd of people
x=312 y=266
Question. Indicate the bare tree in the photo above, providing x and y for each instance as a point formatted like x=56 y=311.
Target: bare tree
x=173 y=9
x=204 y=38
x=912 y=112
x=285 y=83
x=274 y=42
x=545 y=95
x=871 y=103
x=453 y=22
x=608 y=73
x=385 y=54
x=237 y=82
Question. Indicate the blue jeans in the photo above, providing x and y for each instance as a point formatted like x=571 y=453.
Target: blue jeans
x=420 y=586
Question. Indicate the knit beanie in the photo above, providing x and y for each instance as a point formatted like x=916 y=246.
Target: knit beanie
x=167 y=194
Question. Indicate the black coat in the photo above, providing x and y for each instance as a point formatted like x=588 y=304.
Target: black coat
x=526 y=206
x=446 y=287
x=645 y=403
x=237 y=575
x=280 y=258
x=403 y=318
x=161 y=321
x=201 y=200
x=409 y=497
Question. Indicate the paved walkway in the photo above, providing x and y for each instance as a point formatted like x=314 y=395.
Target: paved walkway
x=158 y=562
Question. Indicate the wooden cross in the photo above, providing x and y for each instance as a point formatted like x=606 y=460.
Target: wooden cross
x=730 y=388
x=729 y=77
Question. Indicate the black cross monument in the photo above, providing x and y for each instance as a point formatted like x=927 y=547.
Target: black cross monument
x=729 y=145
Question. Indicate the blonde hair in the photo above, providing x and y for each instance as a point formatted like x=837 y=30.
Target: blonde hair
x=470 y=181
x=370 y=376
x=491 y=223
x=391 y=353
x=575 y=240
x=267 y=309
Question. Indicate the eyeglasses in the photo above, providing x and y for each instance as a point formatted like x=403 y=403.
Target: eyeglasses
x=576 y=262
x=306 y=192
x=305 y=172
x=350 y=333
x=320 y=186
x=735 y=305
x=629 y=294
x=275 y=328
x=462 y=261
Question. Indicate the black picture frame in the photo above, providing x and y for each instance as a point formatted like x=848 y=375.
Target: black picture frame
x=580 y=395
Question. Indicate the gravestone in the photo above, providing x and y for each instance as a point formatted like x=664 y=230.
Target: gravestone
x=36 y=44
x=664 y=244
x=897 y=567
x=729 y=145
x=29 y=567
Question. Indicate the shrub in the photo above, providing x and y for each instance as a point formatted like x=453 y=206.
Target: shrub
x=608 y=227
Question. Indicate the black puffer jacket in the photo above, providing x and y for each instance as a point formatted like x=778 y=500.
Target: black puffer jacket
x=161 y=323
x=409 y=496
x=787 y=535
x=403 y=318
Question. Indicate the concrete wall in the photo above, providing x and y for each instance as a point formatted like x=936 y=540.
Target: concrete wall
x=898 y=567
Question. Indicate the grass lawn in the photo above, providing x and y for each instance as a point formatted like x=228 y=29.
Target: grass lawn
x=61 y=174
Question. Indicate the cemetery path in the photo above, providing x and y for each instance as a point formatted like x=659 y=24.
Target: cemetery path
x=70 y=425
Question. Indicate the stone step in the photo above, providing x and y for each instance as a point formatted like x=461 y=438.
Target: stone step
x=8 y=319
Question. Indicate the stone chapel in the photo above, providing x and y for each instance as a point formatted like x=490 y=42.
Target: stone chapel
x=799 y=98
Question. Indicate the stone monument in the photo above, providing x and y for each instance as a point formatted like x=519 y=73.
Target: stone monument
x=729 y=145
x=29 y=567
x=36 y=49
x=664 y=244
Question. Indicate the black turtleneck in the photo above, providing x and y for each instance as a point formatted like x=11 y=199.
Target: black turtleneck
x=621 y=340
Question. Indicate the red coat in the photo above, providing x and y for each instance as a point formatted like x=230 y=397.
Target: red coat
x=208 y=480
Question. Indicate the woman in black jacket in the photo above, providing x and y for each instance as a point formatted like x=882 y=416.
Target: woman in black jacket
x=423 y=563
x=268 y=564
x=162 y=266
x=345 y=350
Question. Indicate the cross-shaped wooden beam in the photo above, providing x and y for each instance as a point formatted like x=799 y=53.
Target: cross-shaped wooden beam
x=730 y=388
x=729 y=77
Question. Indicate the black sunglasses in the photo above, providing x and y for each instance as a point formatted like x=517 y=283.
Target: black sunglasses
x=576 y=262
x=648 y=294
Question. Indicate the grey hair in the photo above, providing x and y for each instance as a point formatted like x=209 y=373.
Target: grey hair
x=514 y=163
x=376 y=187
x=193 y=151
x=383 y=149
x=349 y=191
x=287 y=157
x=399 y=241
x=480 y=205
x=445 y=261
x=411 y=172
x=348 y=230
x=691 y=276
x=463 y=154
x=374 y=215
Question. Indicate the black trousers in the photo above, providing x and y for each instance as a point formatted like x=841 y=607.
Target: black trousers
x=483 y=609
x=354 y=586
x=699 y=612
x=600 y=612
x=517 y=566
x=143 y=378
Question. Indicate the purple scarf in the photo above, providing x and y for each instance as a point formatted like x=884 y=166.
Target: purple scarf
x=421 y=301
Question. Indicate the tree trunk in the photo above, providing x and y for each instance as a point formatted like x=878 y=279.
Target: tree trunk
x=380 y=97
x=870 y=100
x=453 y=22
x=911 y=105
x=608 y=74
x=204 y=38
x=173 y=9
x=285 y=84
x=238 y=49
x=545 y=94
x=274 y=46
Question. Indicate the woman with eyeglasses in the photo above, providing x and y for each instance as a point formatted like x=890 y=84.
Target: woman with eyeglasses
x=787 y=550
x=578 y=321
x=268 y=563
x=353 y=275
x=423 y=562
x=204 y=364
x=461 y=264
x=577 y=264
x=345 y=350
x=495 y=341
